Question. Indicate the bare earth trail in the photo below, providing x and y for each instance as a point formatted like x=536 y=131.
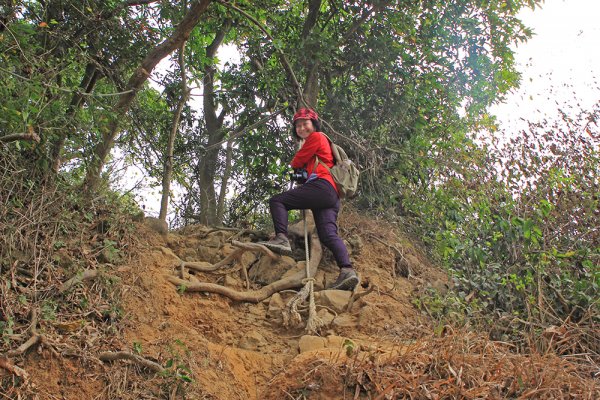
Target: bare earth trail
x=236 y=350
x=179 y=333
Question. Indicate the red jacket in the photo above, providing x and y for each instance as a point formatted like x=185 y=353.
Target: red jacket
x=316 y=144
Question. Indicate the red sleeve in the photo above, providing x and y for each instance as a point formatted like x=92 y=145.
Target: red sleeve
x=306 y=152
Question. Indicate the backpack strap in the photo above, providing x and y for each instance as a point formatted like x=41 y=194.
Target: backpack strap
x=336 y=155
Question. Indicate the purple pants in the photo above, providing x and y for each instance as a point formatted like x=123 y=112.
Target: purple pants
x=322 y=199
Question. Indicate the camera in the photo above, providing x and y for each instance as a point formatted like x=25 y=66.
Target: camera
x=299 y=175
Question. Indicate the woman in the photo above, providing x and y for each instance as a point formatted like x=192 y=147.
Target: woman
x=319 y=194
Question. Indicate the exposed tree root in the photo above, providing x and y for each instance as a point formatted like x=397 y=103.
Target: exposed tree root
x=88 y=274
x=235 y=256
x=10 y=367
x=357 y=295
x=33 y=340
x=123 y=355
x=294 y=281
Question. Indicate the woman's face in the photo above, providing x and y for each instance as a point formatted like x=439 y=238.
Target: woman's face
x=304 y=127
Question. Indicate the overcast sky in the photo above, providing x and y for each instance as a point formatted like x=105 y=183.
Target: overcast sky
x=560 y=63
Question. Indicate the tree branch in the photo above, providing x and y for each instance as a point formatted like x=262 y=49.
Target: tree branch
x=282 y=57
x=31 y=137
x=136 y=81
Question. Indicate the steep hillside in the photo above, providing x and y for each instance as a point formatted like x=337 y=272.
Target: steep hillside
x=164 y=340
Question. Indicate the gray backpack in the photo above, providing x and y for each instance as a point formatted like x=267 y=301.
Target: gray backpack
x=345 y=174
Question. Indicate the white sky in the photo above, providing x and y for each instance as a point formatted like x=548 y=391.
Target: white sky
x=560 y=63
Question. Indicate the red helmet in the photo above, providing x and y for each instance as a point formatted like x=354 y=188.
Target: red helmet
x=305 y=113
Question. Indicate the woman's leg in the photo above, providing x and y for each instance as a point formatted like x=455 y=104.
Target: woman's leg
x=326 y=223
x=317 y=194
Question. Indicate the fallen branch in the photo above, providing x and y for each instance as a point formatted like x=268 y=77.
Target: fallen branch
x=123 y=355
x=13 y=369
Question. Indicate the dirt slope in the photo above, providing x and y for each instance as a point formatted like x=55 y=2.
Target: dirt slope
x=207 y=346
x=234 y=350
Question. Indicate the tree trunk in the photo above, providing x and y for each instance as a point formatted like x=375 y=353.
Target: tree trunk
x=90 y=77
x=311 y=87
x=139 y=77
x=214 y=125
x=168 y=167
x=225 y=181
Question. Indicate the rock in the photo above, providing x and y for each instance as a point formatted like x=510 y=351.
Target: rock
x=337 y=300
x=275 y=306
x=320 y=280
x=310 y=343
x=252 y=341
x=335 y=342
x=267 y=270
x=325 y=316
x=300 y=266
x=157 y=225
x=198 y=253
x=344 y=321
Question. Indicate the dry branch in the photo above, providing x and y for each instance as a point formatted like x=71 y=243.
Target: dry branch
x=33 y=340
x=123 y=355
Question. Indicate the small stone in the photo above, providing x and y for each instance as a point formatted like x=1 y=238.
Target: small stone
x=311 y=343
x=337 y=300
x=325 y=316
x=335 y=342
x=275 y=306
x=344 y=321
x=252 y=341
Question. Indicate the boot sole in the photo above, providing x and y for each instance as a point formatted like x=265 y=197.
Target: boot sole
x=347 y=284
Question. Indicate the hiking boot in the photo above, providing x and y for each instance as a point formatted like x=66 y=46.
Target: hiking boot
x=279 y=244
x=346 y=280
